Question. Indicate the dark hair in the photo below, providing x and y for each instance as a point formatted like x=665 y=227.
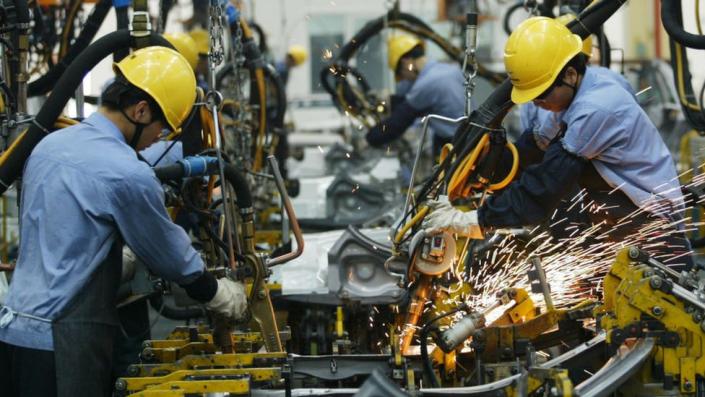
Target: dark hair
x=578 y=62
x=120 y=94
x=417 y=52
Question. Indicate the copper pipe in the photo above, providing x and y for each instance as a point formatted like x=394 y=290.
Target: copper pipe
x=415 y=311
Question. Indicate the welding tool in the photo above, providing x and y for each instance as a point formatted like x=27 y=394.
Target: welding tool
x=452 y=337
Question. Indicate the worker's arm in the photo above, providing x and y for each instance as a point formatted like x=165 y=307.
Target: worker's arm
x=537 y=193
x=529 y=151
x=393 y=126
x=162 y=245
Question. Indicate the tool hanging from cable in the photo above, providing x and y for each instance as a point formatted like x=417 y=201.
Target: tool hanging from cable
x=470 y=62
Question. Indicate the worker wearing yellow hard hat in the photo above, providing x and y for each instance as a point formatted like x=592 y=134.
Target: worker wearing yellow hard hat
x=606 y=145
x=541 y=123
x=296 y=55
x=185 y=45
x=202 y=40
x=106 y=197
x=424 y=86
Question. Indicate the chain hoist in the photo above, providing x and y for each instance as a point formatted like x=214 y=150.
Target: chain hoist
x=236 y=84
x=214 y=99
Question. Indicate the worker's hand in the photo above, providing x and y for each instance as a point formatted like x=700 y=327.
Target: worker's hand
x=444 y=217
x=230 y=299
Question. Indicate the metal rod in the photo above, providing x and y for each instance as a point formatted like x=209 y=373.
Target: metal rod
x=545 y=288
x=616 y=371
x=295 y=228
x=425 y=122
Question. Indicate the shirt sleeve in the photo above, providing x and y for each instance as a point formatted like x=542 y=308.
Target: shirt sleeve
x=539 y=190
x=393 y=126
x=591 y=132
x=527 y=116
x=147 y=229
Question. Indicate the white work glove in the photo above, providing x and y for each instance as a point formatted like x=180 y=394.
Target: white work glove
x=444 y=217
x=230 y=299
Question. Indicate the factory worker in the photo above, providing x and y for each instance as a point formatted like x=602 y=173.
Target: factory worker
x=295 y=57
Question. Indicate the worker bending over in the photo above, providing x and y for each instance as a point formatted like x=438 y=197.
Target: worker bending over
x=606 y=144
x=426 y=87
x=84 y=193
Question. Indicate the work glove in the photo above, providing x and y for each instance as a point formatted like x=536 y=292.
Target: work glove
x=444 y=217
x=230 y=299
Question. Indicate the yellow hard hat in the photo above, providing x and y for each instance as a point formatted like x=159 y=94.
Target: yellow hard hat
x=166 y=76
x=200 y=36
x=298 y=54
x=185 y=45
x=535 y=54
x=397 y=46
x=587 y=43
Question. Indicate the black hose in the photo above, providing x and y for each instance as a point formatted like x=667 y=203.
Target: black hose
x=167 y=5
x=237 y=179
x=672 y=18
x=173 y=313
x=605 y=49
x=19 y=39
x=261 y=36
x=508 y=16
x=683 y=78
x=46 y=83
x=12 y=161
x=277 y=84
x=427 y=365
x=123 y=22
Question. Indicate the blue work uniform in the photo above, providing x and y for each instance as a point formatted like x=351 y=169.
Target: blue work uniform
x=438 y=89
x=282 y=70
x=607 y=145
x=83 y=189
x=544 y=125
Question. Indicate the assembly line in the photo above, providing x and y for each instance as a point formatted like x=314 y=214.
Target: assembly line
x=328 y=198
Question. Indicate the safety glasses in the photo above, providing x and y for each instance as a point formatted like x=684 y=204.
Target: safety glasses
x=547 y=92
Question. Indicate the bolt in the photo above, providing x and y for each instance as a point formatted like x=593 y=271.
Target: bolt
x=120 y=384
x=133 y=370
x=655 y=282
x=648 y=273
x=702 y=326
x=697 y=317
x=657 y=311
x=633 y=253
x=554 y=391
x=687 y=385
x=147 y=354
x=490 y=372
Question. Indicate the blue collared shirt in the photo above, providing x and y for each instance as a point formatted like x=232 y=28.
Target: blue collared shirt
x=607 y=126
x=544 y=124
x=83 y=187
x=439 y=89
